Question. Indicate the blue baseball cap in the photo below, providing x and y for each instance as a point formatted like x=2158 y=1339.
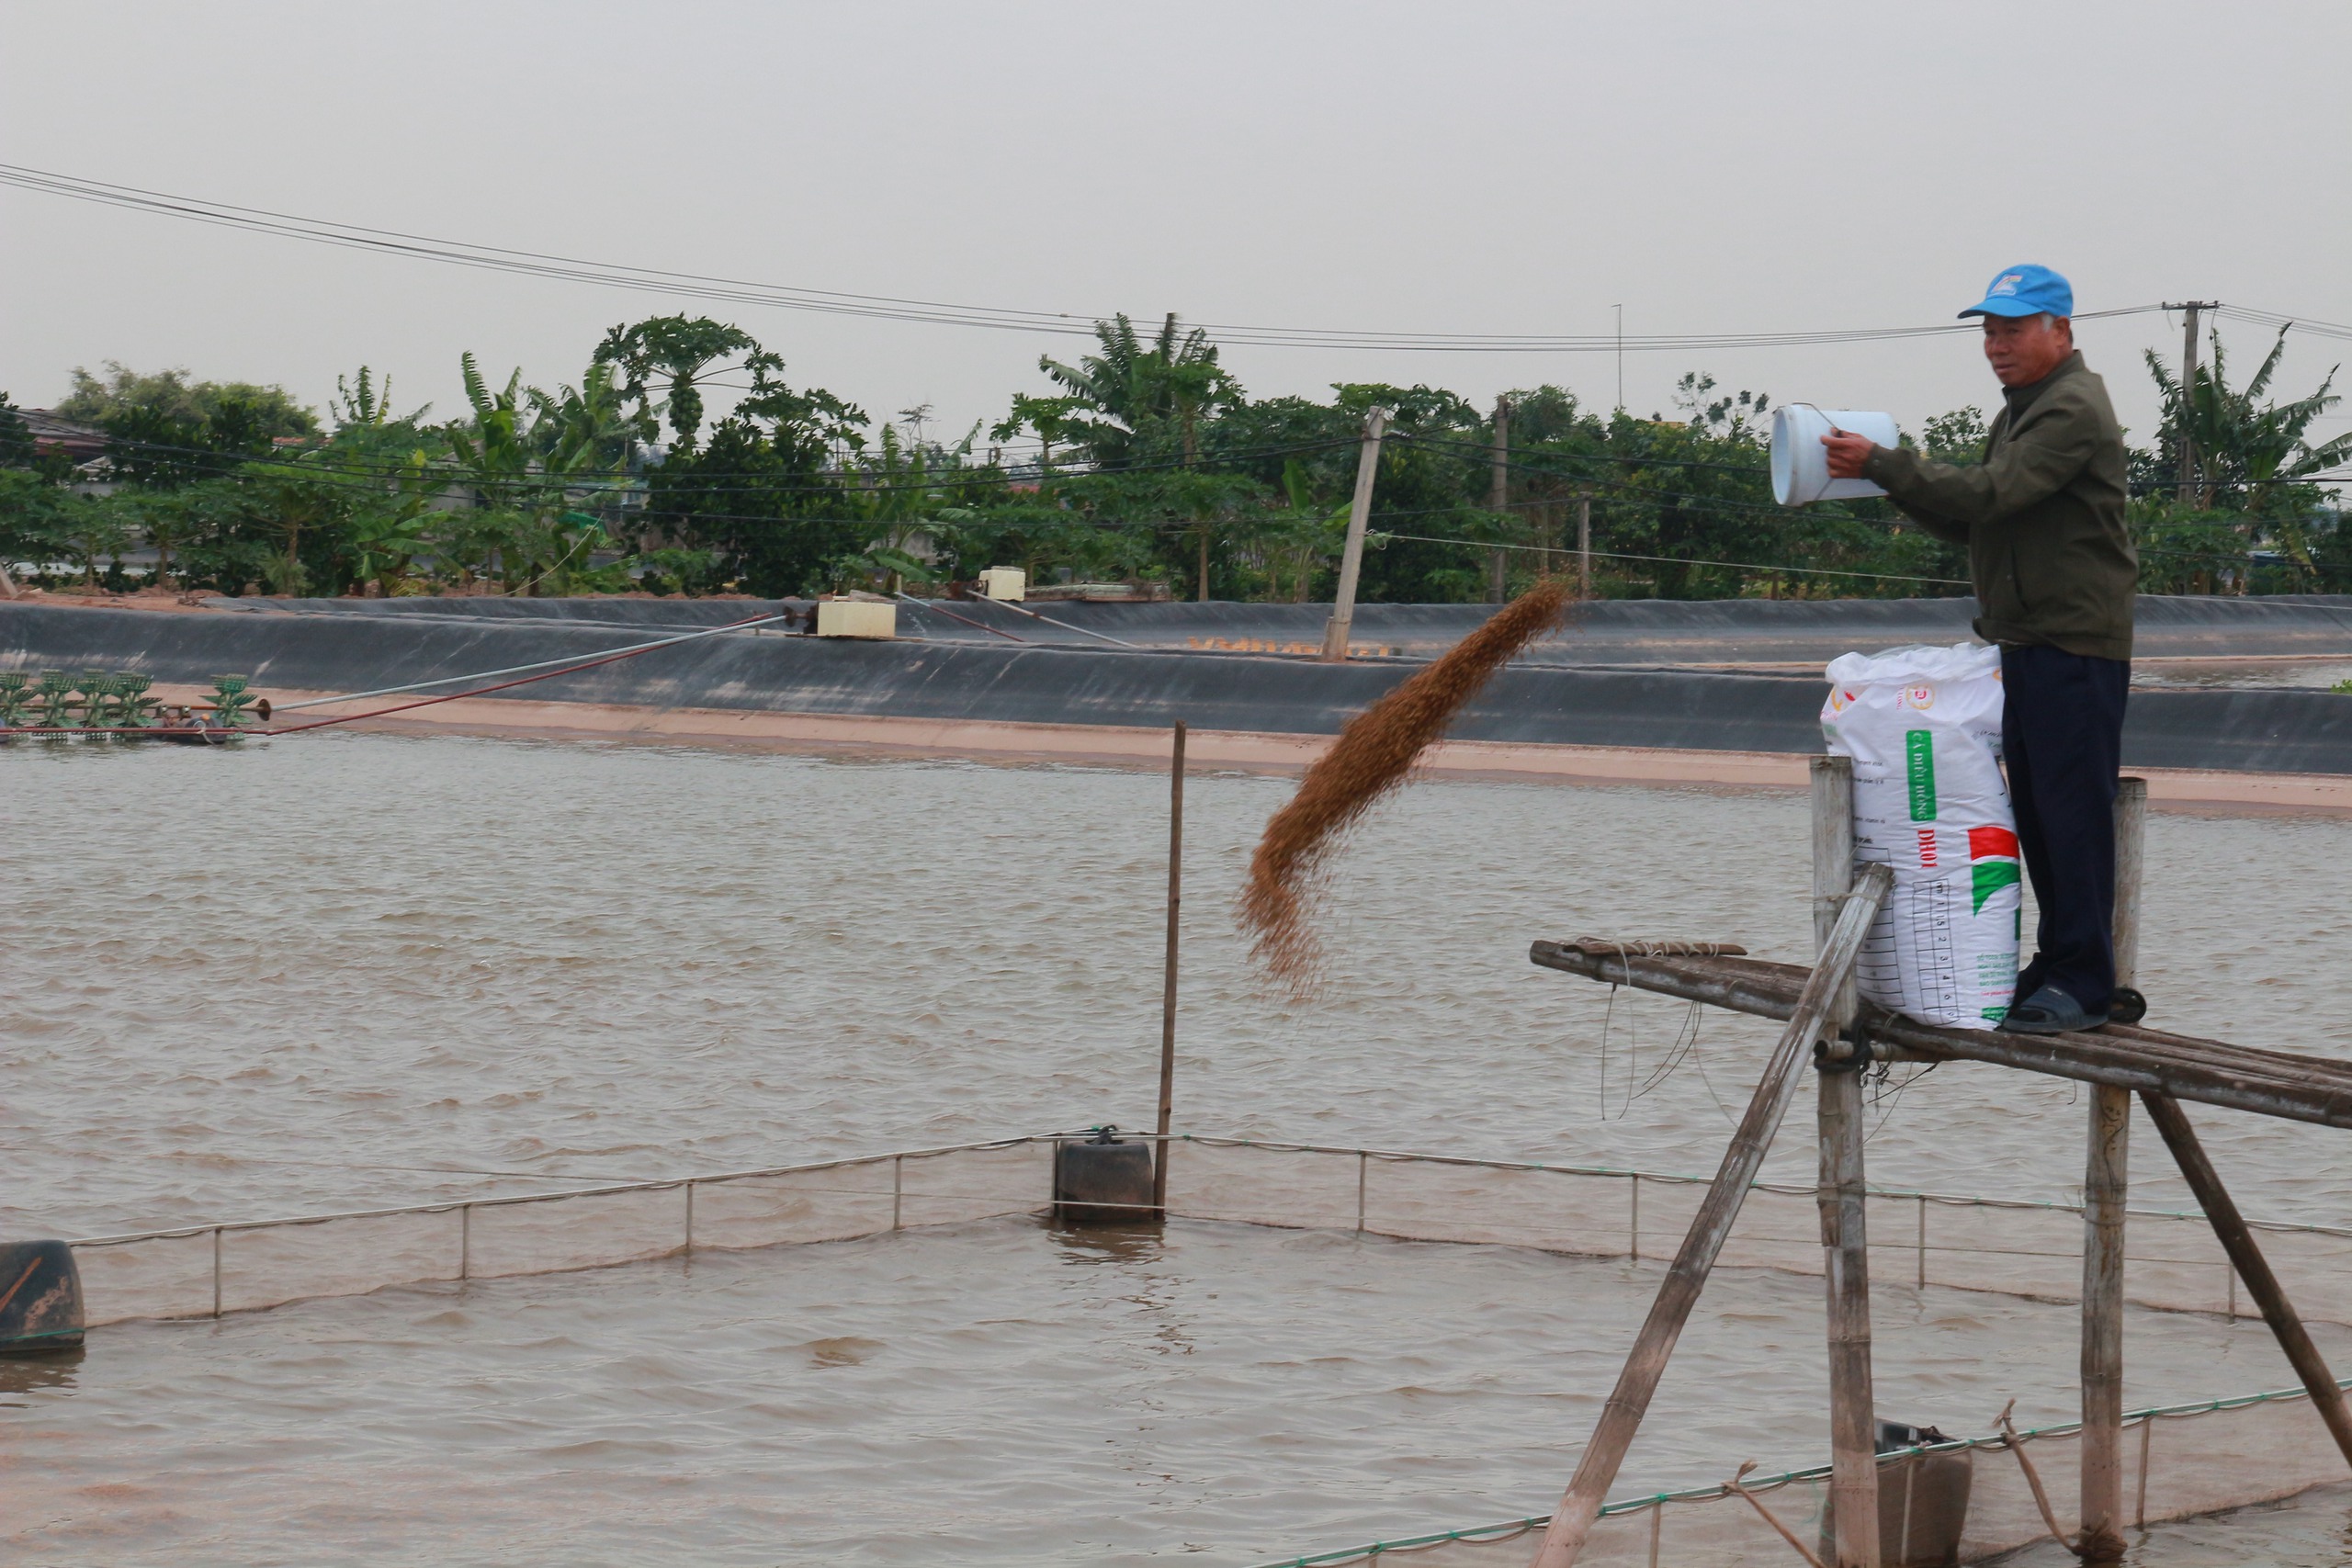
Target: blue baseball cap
x=2027 y=290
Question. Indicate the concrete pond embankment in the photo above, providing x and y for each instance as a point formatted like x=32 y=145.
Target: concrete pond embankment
x=1718 y=678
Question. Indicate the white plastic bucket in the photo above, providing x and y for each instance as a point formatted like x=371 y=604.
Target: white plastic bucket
x=1800 y=463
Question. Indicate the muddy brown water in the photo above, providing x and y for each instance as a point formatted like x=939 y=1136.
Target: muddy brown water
x=348 y=970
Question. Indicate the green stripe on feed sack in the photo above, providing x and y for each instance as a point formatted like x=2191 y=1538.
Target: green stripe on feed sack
x=1989 y=876
x=1920 y=749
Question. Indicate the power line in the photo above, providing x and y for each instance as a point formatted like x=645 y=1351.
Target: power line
x=440 y=473
x=701 y=285
x=1686 y=560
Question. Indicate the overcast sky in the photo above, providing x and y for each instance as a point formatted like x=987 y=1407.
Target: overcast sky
x=1494 y=168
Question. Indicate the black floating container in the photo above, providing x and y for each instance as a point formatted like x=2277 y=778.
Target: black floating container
x=40 y=1298
x=1922 y=1500
x=1102 y=1181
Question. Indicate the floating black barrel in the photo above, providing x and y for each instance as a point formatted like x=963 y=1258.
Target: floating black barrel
x=40 y=1298
x=1102 y=1181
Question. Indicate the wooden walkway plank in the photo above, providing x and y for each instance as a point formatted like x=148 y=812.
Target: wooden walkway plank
x=2210 y=1072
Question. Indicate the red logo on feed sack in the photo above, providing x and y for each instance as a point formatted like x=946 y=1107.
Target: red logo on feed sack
x=1993 y=862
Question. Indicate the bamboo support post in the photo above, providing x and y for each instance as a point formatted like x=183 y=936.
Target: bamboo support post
x=1853 y=1415
x=2106 y=1192
x=2106 y=1186
x=1734 y=1485
x=2245 y=1257
x=1167 y=980
x=1621 y=1417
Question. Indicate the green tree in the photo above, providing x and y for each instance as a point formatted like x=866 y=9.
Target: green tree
x=1142 y=403
x=272 y=410
x=682 y=352
x=17 y=447
x=2256 y=461
x=757 y=505
x=2247 y=447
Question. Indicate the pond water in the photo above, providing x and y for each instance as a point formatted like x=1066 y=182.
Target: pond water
x=341 y=970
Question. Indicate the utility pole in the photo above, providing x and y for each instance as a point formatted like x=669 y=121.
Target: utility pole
x=1583 y=544
x=1621 y=360
x=2186 y=441
x=1343 y=614
x=1498 y=501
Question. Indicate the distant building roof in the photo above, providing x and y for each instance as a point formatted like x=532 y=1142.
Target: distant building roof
x=50 y=434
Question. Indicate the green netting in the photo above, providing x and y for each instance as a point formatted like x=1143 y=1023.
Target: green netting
x=1966 y=1243
x=2180 y=1462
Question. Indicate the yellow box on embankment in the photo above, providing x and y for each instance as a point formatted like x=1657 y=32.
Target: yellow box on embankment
x=857 y=617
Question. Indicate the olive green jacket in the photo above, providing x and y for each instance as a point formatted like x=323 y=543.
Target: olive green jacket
x=2041 y=515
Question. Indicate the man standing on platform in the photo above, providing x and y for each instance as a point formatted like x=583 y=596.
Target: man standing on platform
x=2055 y=576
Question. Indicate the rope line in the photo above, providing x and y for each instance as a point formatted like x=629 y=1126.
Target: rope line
x=518 y=669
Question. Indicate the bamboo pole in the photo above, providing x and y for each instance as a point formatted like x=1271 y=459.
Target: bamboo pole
x=2105 y=1192
x=1167 y=980
x=1853 y=1414
x=2131 y=855
x=1621 y=1417
x=1833 y=869
x=2246 y=1256
x=2106 y=1186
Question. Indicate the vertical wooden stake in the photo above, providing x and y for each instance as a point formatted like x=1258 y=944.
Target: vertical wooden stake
x=1853 y=1415
x=2106 y=1190
x=2106 y=1186
x=1168 y=981
x=2131 y=855
x=1833 y=859
x=1620 y=1417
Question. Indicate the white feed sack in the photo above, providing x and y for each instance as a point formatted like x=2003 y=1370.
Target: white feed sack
x=1923 y=726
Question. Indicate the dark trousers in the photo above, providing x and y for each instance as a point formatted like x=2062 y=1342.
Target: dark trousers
x=2062 y=738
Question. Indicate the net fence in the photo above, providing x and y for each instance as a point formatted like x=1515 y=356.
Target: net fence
x=205 y=1270
x=2004 y=1245
x=1963 y=1502
x=2007 y=1247
x=1956 y=1503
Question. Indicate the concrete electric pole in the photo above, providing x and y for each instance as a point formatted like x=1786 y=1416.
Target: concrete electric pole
x=2185 y=443
x=1343 y=614
x=1498 y=502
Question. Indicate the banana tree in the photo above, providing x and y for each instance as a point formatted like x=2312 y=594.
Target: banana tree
x=1145 y=400
x=2251 y=453
x=528 y=475
x=896 y=499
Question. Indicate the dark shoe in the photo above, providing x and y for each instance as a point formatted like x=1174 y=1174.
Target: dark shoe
x=2050 y=1011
